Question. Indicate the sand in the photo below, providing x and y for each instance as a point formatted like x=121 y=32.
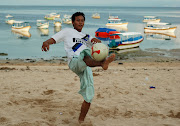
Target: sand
x=46 y=94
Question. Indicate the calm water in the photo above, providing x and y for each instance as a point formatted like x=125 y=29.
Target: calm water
x=16 y=47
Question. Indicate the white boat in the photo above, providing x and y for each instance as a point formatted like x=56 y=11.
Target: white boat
x=42 y=24
x=96 y=16
x=151 y=19
x=116 y=23
x=127 y=40
x=9 y=19
x=57 y=23
x=159 y=27
x=55 y=15
x=21 y=26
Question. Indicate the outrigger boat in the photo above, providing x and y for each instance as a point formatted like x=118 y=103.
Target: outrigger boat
x=42 y=24
x=21 y=26
x=151 y=19
x=127 y=40
x=116 y=23
x=9 y=19
x=96 y=16
x=159 y=27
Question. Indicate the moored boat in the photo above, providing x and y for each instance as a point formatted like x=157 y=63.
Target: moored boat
x=151 y=19
x=42 y=24
x=55 y=15
x=116 y=23
x=21 y=26
x=159 y=27
x=96 y=16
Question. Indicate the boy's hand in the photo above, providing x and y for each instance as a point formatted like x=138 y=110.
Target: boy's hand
x=45 y=46
x=95 y=40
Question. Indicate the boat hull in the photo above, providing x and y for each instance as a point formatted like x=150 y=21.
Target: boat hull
x=49 y=18
x=26 y=28
x=159 y=30
x=117 y=24
x=128 y=45
x=96 y=17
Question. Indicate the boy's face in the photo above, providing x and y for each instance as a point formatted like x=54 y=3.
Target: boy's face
x=78 y=23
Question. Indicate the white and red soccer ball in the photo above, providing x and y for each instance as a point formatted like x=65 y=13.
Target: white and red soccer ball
x=99 y=51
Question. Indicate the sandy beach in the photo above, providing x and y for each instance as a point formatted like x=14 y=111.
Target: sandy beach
x=44 y=93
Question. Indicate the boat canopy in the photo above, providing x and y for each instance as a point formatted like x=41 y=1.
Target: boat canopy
x=42 y=21
x=114 y=19
x=150 y=16
x=105 y=30
x=157 y=23
x=19 y=22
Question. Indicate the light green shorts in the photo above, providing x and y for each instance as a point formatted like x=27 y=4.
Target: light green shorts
x=78 y=66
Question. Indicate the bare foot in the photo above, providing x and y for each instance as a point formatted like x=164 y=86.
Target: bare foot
x=108 y=60
x=80 y=121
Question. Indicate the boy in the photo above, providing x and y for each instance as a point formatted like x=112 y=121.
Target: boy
x=76 y=46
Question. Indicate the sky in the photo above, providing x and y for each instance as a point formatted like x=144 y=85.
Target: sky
x=127 y=3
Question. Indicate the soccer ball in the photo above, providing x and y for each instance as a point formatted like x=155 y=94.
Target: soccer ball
x=99 y=51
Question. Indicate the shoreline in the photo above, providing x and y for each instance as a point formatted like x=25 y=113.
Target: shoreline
x=134 y=55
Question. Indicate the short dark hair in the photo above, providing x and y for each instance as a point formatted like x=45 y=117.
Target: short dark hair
x=77 y=14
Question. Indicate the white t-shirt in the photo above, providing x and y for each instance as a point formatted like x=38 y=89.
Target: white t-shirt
x=74 y=41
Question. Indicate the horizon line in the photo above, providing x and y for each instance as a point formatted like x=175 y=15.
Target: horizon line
x=92 y=5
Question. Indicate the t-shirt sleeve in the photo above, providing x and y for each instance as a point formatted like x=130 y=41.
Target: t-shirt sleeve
x=59 y=37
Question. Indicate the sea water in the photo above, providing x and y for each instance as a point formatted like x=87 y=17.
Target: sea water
x=18 y=47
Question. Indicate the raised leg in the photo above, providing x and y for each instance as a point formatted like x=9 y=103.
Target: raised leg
x=104 y=64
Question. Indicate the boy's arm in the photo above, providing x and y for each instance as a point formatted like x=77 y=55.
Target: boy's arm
x=45 y=46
